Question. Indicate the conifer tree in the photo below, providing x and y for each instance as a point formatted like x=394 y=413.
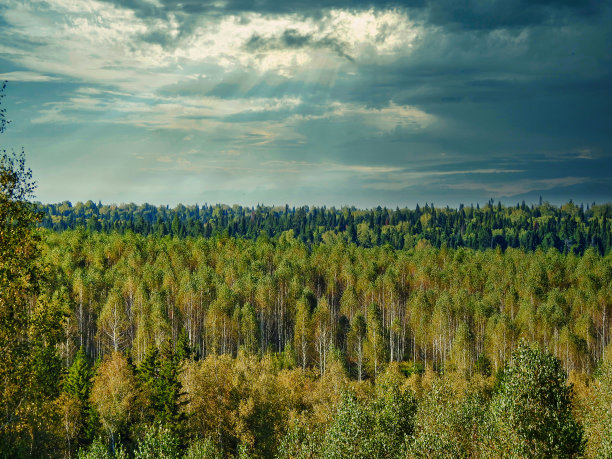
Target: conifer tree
x=169 y=394
x=78 y=380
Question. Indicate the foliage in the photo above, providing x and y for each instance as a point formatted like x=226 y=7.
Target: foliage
x=371 y=428
x=30 y=320
x=99 y=449
x=598 y=425
x=77 y=412
x=203 y=449
x=158 y=374
x=114 y=394
x=450 y=422
x=569 y=228
x=532 y=413
x=158 y=442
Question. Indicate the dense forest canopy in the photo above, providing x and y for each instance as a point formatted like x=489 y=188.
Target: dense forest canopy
x=569 y=228
x=431 y=306
x=260 y=324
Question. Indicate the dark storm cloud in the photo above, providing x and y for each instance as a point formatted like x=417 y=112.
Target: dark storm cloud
x=470 y=14
x=493 y=14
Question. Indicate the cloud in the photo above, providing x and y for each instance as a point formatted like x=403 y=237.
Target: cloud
x=519 y=187
x=403 y=179
x=377 y=99
x=26 y=77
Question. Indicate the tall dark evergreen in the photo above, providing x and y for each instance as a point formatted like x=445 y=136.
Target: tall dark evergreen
x=158 y=373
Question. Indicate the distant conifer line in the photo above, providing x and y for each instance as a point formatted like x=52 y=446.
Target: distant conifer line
x=568 y=228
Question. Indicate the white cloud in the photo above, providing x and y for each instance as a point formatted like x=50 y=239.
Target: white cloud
x=101 y=46
x=96 y=42
x=26 y=77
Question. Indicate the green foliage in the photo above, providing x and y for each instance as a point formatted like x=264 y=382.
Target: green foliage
x=30 y=325
x=300 y=442
x=203 y=449
x=350 y=434
x=158 y=373
x=483 y=365
x=364 y=429
x=532 y=413
x=449 y=423
x=158 y=442
x=79 y=415
x=567 y=229
x=78 y=380
x=99 y=449
x=598 y=422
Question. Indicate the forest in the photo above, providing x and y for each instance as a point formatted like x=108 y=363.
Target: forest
x=272 y=347
x=569 y=228
x=307 y=333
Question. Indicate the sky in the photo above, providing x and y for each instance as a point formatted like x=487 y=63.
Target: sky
x=333 y=103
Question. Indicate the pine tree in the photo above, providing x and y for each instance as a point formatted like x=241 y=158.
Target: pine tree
x=158 y=374
x=169 y=389
x=77 y=389
x=78 y=381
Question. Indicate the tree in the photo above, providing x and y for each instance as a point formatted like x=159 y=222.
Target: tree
x=599 y=413
x=302 y=332
x=169 y=389
x=76 y=407
x=249 y=328
x=321 y=318
x=158 y=374
x=29 y=328
x=532 y=413
x=350 y=434
x=114 y=394
x=158 y=442
x=113 y=322
x=448 y=423
x=371 y=428
x=357 y=336
x=375 y=349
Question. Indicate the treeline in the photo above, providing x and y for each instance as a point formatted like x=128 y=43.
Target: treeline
x=444 y=308
x=569 y=228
